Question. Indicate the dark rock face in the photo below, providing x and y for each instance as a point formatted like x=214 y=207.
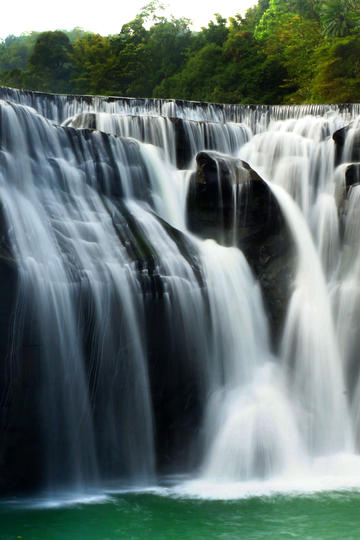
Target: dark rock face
x=211 y=205
x=20 y=455
x=354 y=149
x=183 y=151
x=22 y=449
x=340 y=135
x=176 y=386
x=176 y=391
x=352 y=175
x=182 y=148
x=228 y=201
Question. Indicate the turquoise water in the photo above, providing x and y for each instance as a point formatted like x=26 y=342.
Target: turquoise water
x=331 y=515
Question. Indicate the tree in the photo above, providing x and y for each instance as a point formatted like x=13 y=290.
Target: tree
x=92 y=64
x=290 y=40
x=338 y=74
x=49 y=66
x=199 y=79
x=15 y=50
x=339 y=17
x=250 y=75
x=168 y=42
x=216 y=31
x=281 y=51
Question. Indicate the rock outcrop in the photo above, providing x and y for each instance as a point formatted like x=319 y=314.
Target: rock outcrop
x=348 y=151
x=230 y=202
x=352 y=175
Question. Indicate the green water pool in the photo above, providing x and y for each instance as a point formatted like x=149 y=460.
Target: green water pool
x=133 y=516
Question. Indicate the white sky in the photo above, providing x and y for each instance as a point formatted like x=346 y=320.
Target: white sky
x=104 y=17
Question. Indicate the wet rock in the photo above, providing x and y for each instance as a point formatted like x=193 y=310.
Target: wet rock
x=347 y=176
x=182 y=147
x=21 y=460
x=176 y=386
x=229 y=202
x=81 y=120
x=211 y=205
x=352 y=175
x=351 y=137
x=177 y=400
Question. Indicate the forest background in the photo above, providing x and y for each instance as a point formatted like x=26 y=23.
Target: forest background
x=281 y=51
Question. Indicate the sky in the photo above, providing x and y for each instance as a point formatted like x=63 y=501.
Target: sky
x=103 y=16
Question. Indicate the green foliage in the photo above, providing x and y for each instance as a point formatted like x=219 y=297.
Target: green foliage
x=281 y=51
x=198 y=80
x=216 y=31
x=49 y=65
x=338 y=76
x=92 y=62
x=51 y=50
x=15 y=51
x=340 y=18
x=291 y=43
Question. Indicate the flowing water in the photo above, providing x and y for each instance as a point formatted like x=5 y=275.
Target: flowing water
x=131 y=348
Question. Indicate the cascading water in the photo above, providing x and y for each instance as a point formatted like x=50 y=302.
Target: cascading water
x=130 y=347
x=164 y=133
x=247 y=409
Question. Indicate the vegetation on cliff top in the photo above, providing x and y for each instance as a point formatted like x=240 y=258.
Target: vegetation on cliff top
x=282 y=51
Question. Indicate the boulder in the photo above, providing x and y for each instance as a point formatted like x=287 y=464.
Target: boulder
x=347 y=176
x=352 y=175
x=229 y=202
x=353 y=149
x=21 y=462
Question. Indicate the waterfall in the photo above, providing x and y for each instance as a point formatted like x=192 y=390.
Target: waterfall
x=249 y=428
x=180 y=292
x=164 y=132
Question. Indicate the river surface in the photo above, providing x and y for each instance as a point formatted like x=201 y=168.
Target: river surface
x=158 y=515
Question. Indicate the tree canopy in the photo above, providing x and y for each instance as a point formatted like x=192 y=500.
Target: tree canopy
x=281 y=51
